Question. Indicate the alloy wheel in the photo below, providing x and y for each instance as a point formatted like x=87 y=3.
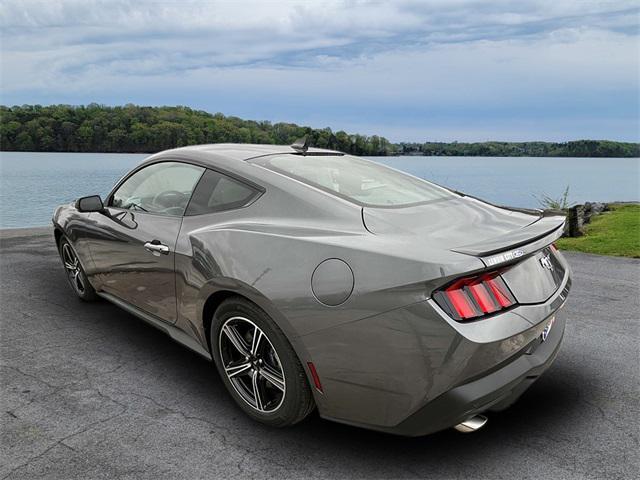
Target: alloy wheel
x=72 y=266
x=251 y=364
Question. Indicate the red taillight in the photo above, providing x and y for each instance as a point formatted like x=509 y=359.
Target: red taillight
x=500 y=292
x=483 y=297
x=475 y=297
x=462 y=303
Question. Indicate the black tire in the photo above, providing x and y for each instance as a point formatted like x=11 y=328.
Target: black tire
x=77 y=279
x=296 y=402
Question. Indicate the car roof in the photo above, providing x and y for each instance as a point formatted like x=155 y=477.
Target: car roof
x=246 y=151
x=232 y=159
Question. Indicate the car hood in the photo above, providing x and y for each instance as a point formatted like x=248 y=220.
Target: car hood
x=462 y=224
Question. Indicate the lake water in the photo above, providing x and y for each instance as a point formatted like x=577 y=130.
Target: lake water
x=33 y=184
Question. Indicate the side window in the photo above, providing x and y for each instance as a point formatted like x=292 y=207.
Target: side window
x=216 y=192
x=164 y=188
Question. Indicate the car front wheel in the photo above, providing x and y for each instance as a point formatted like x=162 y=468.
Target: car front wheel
x=75 y=273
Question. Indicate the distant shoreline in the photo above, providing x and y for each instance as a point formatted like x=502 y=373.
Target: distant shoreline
x=130 y=128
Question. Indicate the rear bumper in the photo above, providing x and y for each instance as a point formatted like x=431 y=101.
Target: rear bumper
x=494 y=391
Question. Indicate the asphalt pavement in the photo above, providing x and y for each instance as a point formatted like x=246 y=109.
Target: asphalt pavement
x=88 y=391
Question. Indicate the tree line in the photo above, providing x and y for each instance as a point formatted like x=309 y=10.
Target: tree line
x=137 y=129
x=577 y=148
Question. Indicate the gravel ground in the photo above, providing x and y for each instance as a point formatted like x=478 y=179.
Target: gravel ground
x=88 y=391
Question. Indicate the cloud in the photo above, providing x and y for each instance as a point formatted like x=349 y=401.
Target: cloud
x=442 y=68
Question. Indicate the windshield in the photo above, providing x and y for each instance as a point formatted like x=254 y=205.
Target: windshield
x=361 y=181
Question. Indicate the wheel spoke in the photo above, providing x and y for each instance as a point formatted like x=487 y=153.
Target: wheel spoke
x=273 y=377
x=69 y=259
x=79 y=281
x=236 y=368
x=236 y=339
x=255 y=343
x=256 y=391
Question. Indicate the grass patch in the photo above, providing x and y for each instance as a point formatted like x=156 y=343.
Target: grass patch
x=611 y=233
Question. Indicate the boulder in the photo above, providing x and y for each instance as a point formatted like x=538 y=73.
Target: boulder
x=591 y=209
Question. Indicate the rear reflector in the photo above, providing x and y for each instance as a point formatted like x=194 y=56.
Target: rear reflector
x=314 y=375
x=475 y=297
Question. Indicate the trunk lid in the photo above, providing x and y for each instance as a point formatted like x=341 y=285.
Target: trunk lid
x=462 y=224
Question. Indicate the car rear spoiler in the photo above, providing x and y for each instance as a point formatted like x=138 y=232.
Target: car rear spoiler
x=534 y=236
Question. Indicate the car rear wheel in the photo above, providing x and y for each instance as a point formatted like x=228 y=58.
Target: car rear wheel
x=258 y=365
x=75 y=273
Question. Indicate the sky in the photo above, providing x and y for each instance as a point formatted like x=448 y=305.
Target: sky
x=440 y=70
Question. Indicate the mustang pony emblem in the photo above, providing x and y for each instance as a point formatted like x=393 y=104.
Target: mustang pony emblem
x=546 y=262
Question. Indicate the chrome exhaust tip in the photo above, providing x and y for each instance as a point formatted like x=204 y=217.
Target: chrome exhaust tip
x=472 y=424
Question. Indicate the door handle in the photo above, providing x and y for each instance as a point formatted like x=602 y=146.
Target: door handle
x=156 y=248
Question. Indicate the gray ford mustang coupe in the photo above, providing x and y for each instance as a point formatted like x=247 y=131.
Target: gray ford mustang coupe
x=315 y=279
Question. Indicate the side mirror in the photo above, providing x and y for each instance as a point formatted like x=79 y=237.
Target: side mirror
x=92 y=203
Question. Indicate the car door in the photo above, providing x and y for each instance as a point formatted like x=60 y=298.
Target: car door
x=133 y=247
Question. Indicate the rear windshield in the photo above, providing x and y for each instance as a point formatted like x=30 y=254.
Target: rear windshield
x=361 y=181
